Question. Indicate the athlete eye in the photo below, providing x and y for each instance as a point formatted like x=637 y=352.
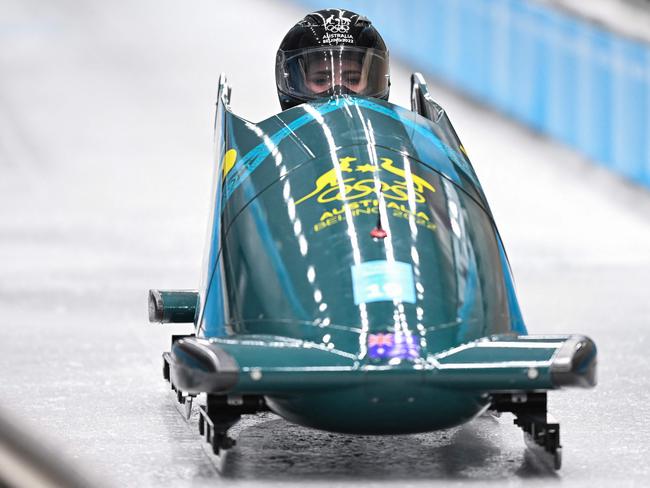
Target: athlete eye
x=319 y=80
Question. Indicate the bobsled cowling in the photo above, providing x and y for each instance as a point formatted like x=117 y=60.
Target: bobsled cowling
x=301 y=195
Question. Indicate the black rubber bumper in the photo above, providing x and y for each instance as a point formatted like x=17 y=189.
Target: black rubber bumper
x=198 y=366
x=575 y=363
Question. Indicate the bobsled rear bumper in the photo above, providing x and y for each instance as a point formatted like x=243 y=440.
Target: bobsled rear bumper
x=197 y=366
x=574 y=364
x=274 y=365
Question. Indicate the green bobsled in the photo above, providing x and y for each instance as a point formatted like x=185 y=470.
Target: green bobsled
x=354 y=281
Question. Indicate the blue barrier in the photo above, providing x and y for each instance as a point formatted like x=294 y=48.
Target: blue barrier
x=558 y=73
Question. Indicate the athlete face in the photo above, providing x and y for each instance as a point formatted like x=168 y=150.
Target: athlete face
x=325 y=73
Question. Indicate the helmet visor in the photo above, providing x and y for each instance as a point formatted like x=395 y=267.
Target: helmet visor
x=332 y=70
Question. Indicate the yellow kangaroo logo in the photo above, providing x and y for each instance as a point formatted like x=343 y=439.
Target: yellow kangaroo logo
x=419 y=183
x=330 y=181
x=330 y=178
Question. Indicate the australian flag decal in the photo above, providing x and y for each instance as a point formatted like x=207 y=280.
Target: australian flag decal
x=400 y=345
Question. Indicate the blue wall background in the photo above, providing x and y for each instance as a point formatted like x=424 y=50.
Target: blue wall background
x=557 y=73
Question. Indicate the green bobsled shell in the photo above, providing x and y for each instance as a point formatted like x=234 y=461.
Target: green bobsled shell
x=355 y=277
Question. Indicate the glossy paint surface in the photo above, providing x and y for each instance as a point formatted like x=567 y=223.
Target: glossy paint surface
x=295 y=257
x=289 y=265
x=301 y=197
x=298 y=215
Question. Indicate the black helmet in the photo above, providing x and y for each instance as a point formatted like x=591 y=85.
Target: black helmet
x=331 y=52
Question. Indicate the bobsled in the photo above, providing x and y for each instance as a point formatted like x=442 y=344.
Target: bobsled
x=354 y=281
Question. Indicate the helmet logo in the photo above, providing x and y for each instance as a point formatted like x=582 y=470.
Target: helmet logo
x=339 y=25
x=337 y=30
